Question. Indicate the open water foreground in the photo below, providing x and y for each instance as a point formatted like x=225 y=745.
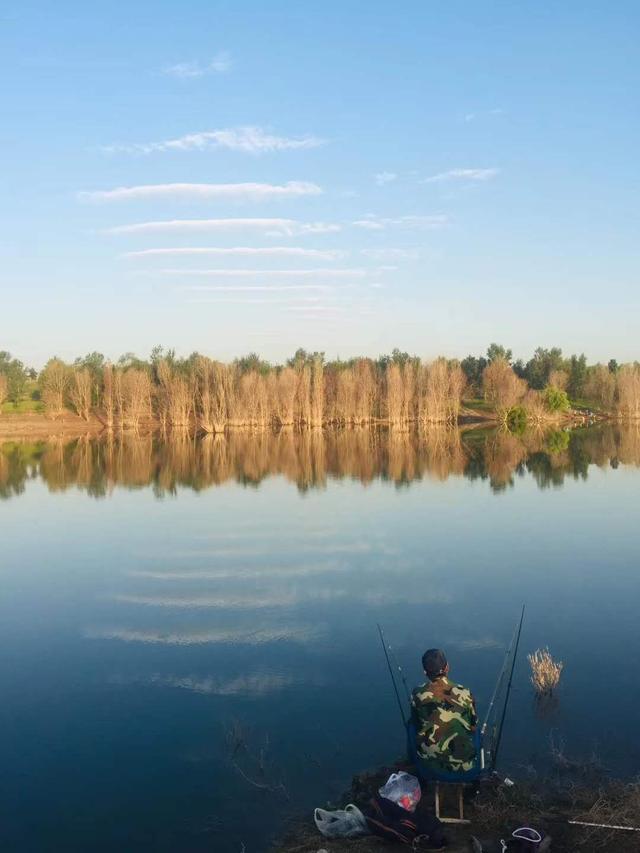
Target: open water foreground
x=188 y=645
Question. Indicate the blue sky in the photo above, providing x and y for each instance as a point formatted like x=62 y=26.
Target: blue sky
x=356 y=176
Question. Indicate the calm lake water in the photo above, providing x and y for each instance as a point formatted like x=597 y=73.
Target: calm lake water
x=188 y=647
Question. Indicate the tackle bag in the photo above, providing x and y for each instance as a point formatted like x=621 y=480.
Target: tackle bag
x=388 y=820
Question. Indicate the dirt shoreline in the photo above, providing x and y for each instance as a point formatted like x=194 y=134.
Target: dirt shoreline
x=36 y=425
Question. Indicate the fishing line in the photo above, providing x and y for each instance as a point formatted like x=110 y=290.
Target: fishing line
x=393 y=680
x=494 y=757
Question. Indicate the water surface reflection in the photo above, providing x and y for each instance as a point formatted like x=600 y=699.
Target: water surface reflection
x=160 y=657
x=309 y=458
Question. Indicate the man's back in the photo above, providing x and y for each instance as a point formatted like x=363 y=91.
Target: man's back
x=445 y=718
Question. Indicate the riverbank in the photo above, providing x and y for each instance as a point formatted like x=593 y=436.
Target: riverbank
x=37 y=425
x=574 y=792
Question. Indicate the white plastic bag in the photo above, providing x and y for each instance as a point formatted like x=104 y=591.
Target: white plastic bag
x=403 y=789
x=343 y=823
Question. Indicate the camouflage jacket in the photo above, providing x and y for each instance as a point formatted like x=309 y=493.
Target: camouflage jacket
x=444 y=715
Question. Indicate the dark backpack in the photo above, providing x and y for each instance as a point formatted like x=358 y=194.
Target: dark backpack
x=389 y=820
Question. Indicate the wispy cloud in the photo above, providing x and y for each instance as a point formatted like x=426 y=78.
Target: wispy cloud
x=243 y=251
x=257 y=684
x=235 y=273
x=372 y=222
x=255 y=288
x=251 y=140
x=247 y=301
x=269 y=227
x=214 y=602
x=258 y=636
x=219 y=64
x=326 y=309
x=252 y=191
x=469 y=117
x=383 y=178
x=462 y=175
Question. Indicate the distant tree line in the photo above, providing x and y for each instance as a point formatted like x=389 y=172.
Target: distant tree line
x=309 y=390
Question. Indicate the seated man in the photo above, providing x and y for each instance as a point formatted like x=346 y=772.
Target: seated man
x=444 y=716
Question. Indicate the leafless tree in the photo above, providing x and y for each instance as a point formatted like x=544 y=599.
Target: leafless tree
x=628 y=391
x=54 y=385
x=174 y=396
x=559 y=379
x=286 y=386
x=600 y=386
x=136 y=397
x=214 y=394
x=502 y=388
x=316 y=408
x=394 y=393
x=81 y=392
x=303 y=396
x=108 y=395
x=4 y=389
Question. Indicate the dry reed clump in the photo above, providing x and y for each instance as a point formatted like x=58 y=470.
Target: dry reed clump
x=545 y=672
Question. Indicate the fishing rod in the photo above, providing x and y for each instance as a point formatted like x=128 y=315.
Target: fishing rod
x=393 y=680
x=496 y=690
x=394 y=660
x=494 y=757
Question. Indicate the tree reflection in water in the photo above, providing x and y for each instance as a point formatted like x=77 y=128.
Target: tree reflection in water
x=309 y=458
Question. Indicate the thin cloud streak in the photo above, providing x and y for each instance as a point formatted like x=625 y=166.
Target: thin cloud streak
x=298 y=570
x=276 y=302
x=258 y=684
x=220 y=63
x=267 y=288
x=383 y=178
x=272 y=227
x=270 y=251
x=233 y=273
x=372 y=222
x=250 y=140
x=293 y=634
x=462 y=175
x=251 y=191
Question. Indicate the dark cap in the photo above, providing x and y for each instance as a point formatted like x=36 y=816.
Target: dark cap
x=434 y=662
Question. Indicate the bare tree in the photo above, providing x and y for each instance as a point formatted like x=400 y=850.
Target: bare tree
x=136 y=397
x=502 y=388
x=628 y=391
x=108 y=395
x=366 y=391
x=394 y=393
x=174 y=396
x=287 y=382
x=81 y=392
x=214 y=393
x=303 y=396
x=600 y=386
x=316 y=407
x=4 y=389
x=559 y=379
x=54 y=385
